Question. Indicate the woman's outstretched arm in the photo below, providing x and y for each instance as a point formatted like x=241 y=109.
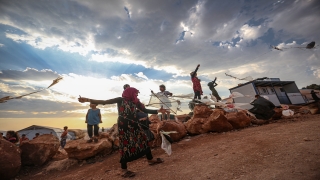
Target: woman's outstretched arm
x=103 y=102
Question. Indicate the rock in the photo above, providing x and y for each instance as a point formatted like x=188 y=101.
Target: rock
x=218 y=122
x=114 y=136
x=61 y=154
x=201 y=111
x=183 y=118
x=40 y=150
x=304 y=110
x=10 y=159
x=80 y=149
x=215 y=122
x=238 y=120
x=103 y=135
x=194 y=125
x=259 y=121
x=278 y=113
x=314 y=111
x=113 y=132
x=174 y=126
x=165 y=125
x=61 y=165
x=77 y=133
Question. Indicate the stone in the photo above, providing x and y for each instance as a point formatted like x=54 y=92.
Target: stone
x=259 y=121
x=304 y=110
x=238 y=119
x=61 y=154
x=40 y=150
x=194 y=125
x=216 y=122
x=314 y=111
x=183 y=117
x=78 y=133
x=201 y=111
x=80 y=149
x=61 y=165
x=10 y=159
x=174 y=126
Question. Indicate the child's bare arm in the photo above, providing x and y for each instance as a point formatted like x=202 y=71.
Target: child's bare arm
x=100 y=117
x=87 y=117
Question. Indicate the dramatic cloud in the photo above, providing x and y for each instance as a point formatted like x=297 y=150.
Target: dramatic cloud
x=28 y=74
x=100 y=46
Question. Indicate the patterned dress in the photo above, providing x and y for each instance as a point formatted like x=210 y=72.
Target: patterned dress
x=133 y=140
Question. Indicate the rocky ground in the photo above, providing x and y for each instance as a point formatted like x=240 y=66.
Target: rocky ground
x=284 y=149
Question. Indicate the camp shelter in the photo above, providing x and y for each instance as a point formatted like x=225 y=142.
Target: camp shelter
x=32 y=130
x=277 y=91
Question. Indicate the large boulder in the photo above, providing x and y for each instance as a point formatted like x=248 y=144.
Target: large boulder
x=216 y=122
x=10 y=159
x=61 y=154
x=40 y=150
x=154 y=127
x=166 y=125
x=201 y=111
x=61 y=165
x=194 y=125
x=238 y=119
x=174 y=126
x=80 y=149
x=77 y=133
x=183 y=117
x=112 y=135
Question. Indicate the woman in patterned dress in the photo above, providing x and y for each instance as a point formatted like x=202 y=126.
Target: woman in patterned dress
x=133 y=140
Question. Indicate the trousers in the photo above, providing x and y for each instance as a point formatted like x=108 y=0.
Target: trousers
x=95 y=130
x=148 y=155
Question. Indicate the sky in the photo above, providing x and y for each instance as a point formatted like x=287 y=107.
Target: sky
x=98 y=46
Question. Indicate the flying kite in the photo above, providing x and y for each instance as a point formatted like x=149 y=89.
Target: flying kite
x=5 y=99
x=249 y=78
x=55 y=82
x=309 y=46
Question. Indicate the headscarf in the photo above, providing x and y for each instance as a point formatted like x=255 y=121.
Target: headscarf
x=129 y=94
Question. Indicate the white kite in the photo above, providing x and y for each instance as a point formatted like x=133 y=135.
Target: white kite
x=5 y=99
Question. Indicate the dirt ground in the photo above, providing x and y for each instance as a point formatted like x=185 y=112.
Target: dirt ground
x=287 y=149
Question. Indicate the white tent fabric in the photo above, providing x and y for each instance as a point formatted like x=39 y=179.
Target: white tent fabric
x=31 y=131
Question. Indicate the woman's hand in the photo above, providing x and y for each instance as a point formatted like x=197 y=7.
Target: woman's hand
x=83 y=99
x=198 y=65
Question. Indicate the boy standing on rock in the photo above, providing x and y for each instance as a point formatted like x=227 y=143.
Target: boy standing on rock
x=163 y=96
x=93 y=118
x=212 y=86
x=196 y=84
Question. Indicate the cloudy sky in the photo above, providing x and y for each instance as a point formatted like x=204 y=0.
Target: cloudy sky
x=97 y=46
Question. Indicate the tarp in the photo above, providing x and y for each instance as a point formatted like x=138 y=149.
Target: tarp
x=262 y=108
x=32 y=130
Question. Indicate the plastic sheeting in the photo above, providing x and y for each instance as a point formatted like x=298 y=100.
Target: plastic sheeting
x=165 y=145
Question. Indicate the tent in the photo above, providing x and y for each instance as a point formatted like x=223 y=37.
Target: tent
x=4 y=132
x=32 y=130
